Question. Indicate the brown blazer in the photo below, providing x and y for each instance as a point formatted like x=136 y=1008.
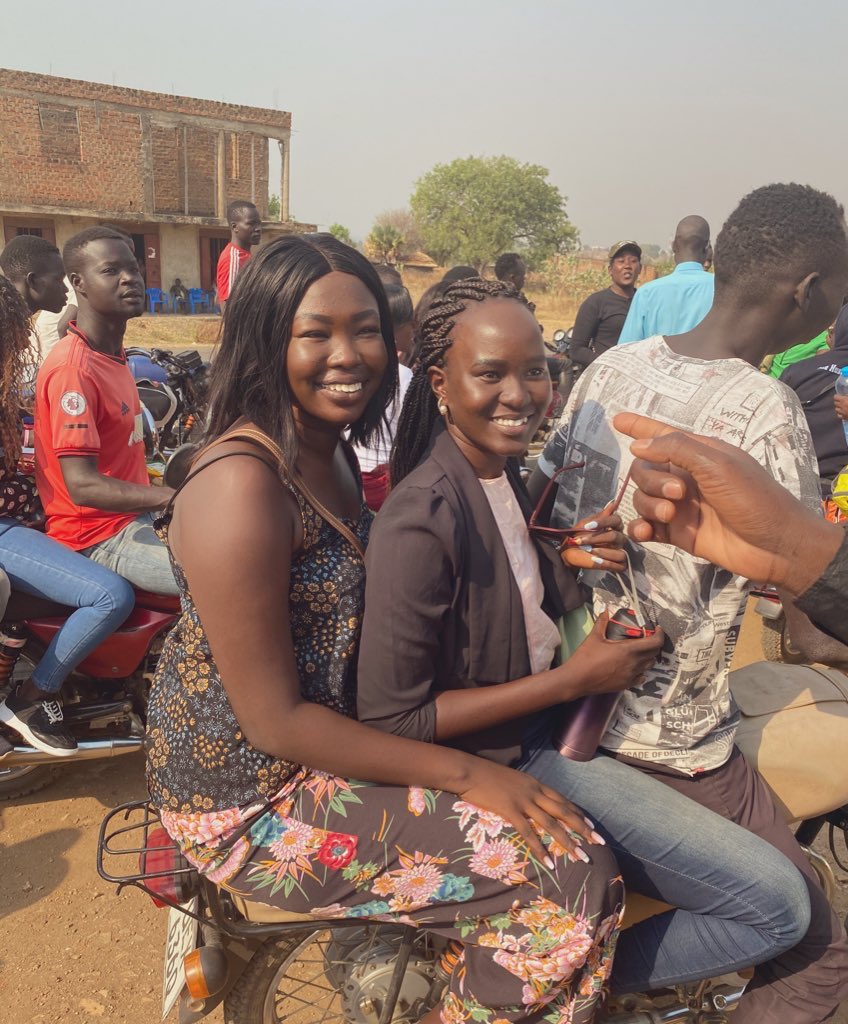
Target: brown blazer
x=442 y=609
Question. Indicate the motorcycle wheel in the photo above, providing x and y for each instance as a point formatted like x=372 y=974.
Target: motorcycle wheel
x=777 y=643
x=300 y=975
x=25 y=779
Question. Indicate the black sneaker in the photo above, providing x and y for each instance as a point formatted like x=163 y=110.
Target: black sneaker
x=40 y=722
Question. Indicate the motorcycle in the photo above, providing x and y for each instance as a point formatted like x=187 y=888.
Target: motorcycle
x=571 y=371
x=174 y=389
x=105 y=697
x=267 y=965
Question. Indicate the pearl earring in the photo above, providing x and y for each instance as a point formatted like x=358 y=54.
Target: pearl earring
x=442 y=407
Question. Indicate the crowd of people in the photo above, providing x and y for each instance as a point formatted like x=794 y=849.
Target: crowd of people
x=369 y=707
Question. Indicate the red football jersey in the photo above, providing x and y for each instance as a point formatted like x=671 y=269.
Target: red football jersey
x=86 y=403
x=230 y=262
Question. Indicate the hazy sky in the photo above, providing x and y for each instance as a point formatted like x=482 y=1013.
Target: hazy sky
x=642 y=113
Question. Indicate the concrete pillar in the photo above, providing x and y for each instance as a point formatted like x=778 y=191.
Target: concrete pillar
x=221 y=177
x=285 y=145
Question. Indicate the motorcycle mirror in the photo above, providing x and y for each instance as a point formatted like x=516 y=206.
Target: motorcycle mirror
x=559 y=335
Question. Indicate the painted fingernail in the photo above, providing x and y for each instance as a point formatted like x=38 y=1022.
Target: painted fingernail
x=589 y=821
x=549 y=863
x=582 y=855
x=591 y=526
x=599 y=839
x=597 y=560
x=585 y=547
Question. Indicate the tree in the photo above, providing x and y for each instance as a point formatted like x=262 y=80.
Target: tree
x=341 y=232
x=473 y=209
x=384 y=244
x=404 y=222
x=273 y=208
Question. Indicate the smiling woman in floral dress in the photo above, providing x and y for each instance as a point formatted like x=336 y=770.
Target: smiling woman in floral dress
x=253 y=747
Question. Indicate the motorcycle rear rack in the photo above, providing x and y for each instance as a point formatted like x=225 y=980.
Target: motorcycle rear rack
x=222 y=912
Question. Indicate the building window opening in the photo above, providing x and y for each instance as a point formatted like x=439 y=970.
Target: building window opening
x=60 y=133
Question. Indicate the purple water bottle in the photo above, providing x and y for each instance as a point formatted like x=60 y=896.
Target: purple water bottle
x=590 y=717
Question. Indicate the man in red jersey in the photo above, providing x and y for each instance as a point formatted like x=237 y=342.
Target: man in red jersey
x=89 y=441
x=245 y=232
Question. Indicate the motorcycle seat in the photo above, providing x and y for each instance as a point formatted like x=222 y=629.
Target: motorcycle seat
x=157 y=602
x=264 y=913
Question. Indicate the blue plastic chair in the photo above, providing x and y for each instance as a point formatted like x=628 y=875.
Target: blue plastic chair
x=156 y=297
x=197 y=298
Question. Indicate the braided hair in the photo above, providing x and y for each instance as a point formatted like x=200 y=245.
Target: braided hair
x=420 y=410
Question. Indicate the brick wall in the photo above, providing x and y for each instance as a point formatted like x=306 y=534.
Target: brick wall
x=87 y=146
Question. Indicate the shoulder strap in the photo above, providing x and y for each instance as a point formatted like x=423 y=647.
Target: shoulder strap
x=262 y=439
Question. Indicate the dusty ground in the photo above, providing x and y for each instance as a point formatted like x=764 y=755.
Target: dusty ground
x=70 y=950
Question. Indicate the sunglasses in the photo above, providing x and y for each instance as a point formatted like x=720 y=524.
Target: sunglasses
x=561 y=537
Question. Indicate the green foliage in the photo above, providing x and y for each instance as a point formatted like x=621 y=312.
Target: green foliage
x=573 y=277
x=341 y=232
x=273 y=208
x=384 y=244
x=473 y=209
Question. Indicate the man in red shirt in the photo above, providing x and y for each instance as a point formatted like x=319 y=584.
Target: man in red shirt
x=89 y=441
x=245 y=232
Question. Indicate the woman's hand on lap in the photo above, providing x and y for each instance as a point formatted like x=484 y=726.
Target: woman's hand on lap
x=532 y=809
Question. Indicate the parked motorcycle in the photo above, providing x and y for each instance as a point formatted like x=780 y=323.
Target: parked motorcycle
x=268 y=966
x=570 y=370
x=174 y=389
x=105 y=698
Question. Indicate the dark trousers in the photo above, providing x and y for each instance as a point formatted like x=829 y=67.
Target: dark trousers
x=807 y=984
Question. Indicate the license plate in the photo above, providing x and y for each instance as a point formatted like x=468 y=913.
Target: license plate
x=182 y=939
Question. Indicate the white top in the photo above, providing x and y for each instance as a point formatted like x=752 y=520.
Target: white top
x=543 y=637
x=46 y=326
x=380 y=450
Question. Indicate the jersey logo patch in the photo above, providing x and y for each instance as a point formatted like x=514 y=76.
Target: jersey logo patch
x=73 y=403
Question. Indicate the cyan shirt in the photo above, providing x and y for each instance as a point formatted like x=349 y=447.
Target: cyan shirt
x=669 y=305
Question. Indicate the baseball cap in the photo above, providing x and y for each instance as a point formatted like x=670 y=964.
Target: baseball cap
x=626 y=244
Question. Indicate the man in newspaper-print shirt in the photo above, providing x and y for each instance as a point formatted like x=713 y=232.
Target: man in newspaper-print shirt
x=781 y=270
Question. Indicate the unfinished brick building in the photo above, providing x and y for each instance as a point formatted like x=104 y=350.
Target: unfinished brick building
x=161 y=167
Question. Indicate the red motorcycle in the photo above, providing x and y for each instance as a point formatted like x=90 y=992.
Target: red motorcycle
x=105 y=698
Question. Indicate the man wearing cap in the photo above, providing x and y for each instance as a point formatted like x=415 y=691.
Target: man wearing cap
x=676 y=303
x=602 y=315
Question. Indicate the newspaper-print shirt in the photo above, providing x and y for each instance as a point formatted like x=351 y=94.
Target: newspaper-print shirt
x=683 y=715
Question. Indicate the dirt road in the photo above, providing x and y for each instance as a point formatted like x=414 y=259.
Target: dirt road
x=70 y=950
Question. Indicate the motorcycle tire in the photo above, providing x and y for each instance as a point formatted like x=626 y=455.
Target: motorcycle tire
x=25 y=779
x=251 y=1000
x=777 y=644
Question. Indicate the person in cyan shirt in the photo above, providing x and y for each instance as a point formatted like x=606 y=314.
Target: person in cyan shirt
x=676 y=303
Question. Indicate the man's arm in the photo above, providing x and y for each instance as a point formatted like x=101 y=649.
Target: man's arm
x=87 y=486
x=583 y=332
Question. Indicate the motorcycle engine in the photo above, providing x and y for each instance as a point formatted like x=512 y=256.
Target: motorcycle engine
x=360 y=963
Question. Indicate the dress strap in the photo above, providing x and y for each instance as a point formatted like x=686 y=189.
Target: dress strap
x=260 y=438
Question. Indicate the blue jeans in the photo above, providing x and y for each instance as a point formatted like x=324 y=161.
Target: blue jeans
x=45 y=568
x=740 y=901
x=137 y=554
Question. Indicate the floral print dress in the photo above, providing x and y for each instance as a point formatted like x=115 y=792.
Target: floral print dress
x=536 y=942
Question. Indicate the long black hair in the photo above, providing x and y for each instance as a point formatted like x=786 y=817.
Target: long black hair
x=420 y=410
x=249 y=378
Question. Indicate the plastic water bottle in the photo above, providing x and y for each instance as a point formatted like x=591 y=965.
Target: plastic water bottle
x=842 y=389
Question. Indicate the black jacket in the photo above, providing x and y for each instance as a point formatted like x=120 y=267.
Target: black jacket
x=442 y=609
